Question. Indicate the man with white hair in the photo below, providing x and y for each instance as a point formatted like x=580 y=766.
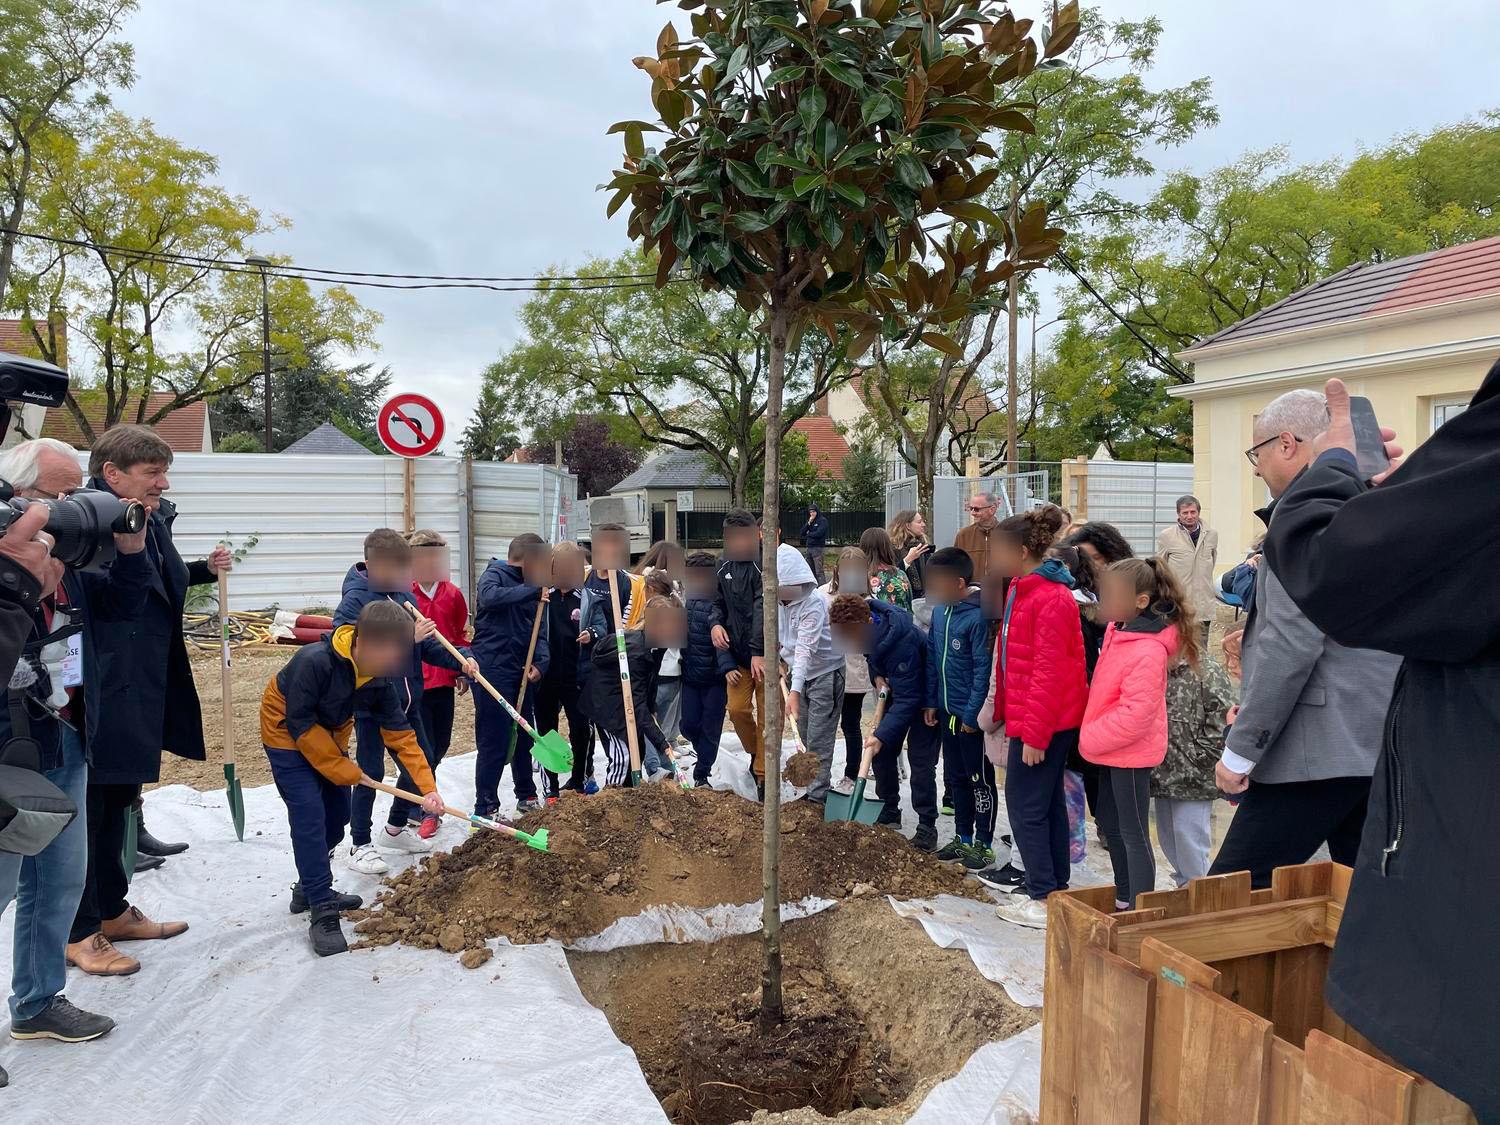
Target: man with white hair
x=975 y=539
x=53 y=699
x=1306 y=734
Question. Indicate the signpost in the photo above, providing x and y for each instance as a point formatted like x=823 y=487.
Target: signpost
x=410 y=426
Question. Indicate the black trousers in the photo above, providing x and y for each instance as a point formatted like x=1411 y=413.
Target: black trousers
x=922 y=758
x=438 y=705
x=1124 y=816
x=107 y=883
x=854 y=739
x=561 y=697
x=1283 y=825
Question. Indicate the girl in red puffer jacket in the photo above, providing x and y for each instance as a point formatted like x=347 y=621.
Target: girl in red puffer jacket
x=1040 y=691
x=1125 y=726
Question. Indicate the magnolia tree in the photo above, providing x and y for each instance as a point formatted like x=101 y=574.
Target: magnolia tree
x=820 y=160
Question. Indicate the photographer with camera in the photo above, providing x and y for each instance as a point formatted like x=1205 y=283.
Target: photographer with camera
x=148 y=695
x=52 y=711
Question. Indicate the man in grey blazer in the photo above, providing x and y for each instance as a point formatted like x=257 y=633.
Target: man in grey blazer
x=1308 y=728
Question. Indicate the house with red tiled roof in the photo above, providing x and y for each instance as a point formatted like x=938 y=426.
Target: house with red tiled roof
x=850 y=404
x=1414 y=335
x=826 y=447
x=186 y=430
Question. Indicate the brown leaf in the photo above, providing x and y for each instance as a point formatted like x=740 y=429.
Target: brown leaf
x=666 y=40
x=945 y=70
x=945 y=344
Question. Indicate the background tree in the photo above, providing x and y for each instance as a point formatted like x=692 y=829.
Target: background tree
x=687 y=368
x=492 y=433
x=864 y=478
x=807 y=144
x=305 y=395
x=153 y=310
x=591 y=452
x=58 y=60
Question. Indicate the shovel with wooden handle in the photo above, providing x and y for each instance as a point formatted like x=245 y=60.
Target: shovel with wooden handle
x=537 y=839
x=232 y=789
x=626 y=696
x=536 y=628
x=551 y=749
x=851 y=806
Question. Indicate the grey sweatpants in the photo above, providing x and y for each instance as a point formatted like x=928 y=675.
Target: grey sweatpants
x=818 y=723
x=1185 y=829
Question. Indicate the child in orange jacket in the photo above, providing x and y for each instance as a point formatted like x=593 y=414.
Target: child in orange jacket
x=1125 y=724
x=306 y=717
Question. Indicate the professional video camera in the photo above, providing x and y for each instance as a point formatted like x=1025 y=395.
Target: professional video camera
x=83 y=525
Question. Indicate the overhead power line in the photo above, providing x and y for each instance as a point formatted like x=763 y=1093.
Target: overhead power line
x=1165 y=361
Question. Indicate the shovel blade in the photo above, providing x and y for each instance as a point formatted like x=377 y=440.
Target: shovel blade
x=553 y=751
x=537 y=839
x=236 y=797
x=128 y=850
x=853 y=806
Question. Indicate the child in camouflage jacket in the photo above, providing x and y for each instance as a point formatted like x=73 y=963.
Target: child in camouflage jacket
x=1183 y=784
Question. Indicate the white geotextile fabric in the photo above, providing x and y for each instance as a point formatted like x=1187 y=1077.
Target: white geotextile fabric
x=679 y=925
x=1001 y=1084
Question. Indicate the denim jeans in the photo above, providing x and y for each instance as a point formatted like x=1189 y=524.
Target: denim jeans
x=316 y=812
x=47 y=887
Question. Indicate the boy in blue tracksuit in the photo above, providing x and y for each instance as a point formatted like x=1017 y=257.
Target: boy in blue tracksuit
x=704 y=667
x=505 y=608
x=896 y=651
x=385 y=574
x=958 y=679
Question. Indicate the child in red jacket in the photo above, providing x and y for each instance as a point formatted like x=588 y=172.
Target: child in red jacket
x=442 y=602
x=1040 y=690
x=1125 y=725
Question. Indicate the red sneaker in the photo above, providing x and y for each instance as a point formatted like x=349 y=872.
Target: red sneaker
x=551 y=800
x=428 y=828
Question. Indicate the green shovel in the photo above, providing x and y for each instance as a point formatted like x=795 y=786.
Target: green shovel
x=852 y=806
x=232 y=789
x=550 y=749
x=537 y=839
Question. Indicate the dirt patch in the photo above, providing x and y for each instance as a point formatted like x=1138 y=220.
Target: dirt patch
x=801 y=768
x=890 y=1013
x=624 y=850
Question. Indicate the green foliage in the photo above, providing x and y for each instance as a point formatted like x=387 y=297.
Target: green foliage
x=154 y=325
x=864 y=478
x=205 y=594
x=492 y=433
x=304 y=395
x=591 y=452
x=242 y=441
x=1207 y=251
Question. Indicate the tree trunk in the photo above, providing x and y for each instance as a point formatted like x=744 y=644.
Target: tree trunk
x=1012 y=453
x=924 y=493
x=13 y=221
x=740 y=483
x=771 y=711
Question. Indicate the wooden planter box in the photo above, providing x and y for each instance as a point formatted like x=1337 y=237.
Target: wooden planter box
x=1205 y=1005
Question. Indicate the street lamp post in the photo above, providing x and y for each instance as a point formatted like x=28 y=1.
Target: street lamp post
x=264 y=264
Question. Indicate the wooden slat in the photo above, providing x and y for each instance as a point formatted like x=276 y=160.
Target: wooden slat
x=1307 y=880
x=1232 y=933
x=1432 y=1105
x=1219 y=892
x=1136 y=917
x=1297 y=991
x=1248 y=981
x=1173 y=972
x=1339 y=883
x=1174 y=903
x=1284 y=1084
x=1073 y=928
x=1101 y=899
x=1333 y=919
x=1262 y=895
x=1114 y=1055
x=1225 y=1062
x=1341 y=1084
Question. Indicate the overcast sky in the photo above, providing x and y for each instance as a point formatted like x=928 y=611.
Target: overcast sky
x=459 y=138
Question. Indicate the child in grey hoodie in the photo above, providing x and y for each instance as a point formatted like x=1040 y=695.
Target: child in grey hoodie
x=817 y=669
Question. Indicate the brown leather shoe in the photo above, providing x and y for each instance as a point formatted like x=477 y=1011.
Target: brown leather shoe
x=132 y=925
x=96 y=956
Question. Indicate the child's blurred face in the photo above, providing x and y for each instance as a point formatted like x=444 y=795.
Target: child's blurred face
x=1007 y=558
x=786 y=595
x=666 y=626
x=852 y=636
x=700 y=581
x=854 y=578
x=1118 y=600
x=380 y=657
x=567 y=571
x=388 y=574
x=611 y=551
x=429 y=565
x=741 y=543
x=536 y=566
x=945 y=587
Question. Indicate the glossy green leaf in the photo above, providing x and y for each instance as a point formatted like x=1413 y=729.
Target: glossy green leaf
x=785 y=74
x=804 y=184
x=912 y=172
x=876 y=107
x=841 y=72
x=811 y=105
x=849 y=193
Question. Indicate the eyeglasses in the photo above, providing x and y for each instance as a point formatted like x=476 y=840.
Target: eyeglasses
x=1253 y=453
x=979 y=507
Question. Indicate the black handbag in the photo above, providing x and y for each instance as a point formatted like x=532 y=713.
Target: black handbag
x=33 y=811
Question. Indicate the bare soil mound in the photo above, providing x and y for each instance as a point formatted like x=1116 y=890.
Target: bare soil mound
x=621 y=851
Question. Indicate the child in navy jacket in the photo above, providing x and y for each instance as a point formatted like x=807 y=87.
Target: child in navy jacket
x=704 y=666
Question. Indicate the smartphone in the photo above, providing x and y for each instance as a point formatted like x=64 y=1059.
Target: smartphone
x=1369 y=446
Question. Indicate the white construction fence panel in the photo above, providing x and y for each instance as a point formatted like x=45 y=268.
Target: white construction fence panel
x=511 y=499
x=1138 y=497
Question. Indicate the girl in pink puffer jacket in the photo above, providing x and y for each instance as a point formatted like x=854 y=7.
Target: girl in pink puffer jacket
x=1125 y=724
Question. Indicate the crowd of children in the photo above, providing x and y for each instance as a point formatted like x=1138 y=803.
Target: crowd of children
x=1061 y=665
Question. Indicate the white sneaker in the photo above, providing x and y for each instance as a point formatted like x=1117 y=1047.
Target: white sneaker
x=661 y=773
x=843 y=787
x=404 y=841
x=1031 y=913
x=366 y=860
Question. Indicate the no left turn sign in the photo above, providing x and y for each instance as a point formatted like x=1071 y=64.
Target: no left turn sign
x=410 y=425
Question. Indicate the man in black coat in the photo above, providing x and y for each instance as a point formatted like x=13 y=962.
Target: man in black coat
x=1415 y=968
x=148 y=702
x=815 y=541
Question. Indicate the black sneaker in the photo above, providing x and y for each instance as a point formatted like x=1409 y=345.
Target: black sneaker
x=889 y=819
x=326 y=933
x=924 y=839
x=4 y=1078
x=63 y=1022
x=340 y=900
x=1006 y=878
